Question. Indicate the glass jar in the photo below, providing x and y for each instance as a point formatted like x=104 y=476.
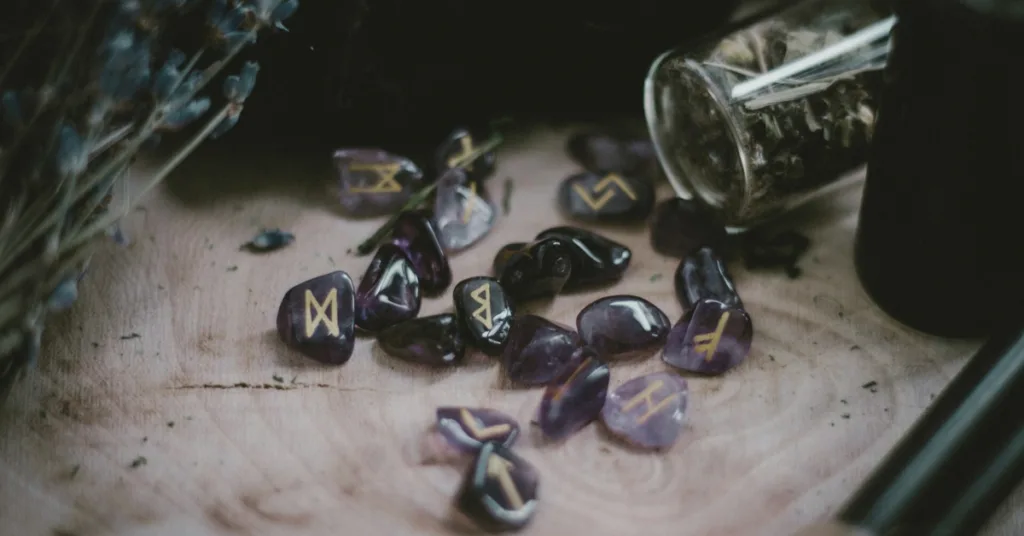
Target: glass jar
x=774 y=114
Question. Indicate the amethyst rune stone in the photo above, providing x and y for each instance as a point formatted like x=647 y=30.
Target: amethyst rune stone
x=429 y=340
x=505 y=253
x=389 y=292
x=458 y=146
x=538 y=350
x=703 y=275
x=539 y=271
x=499 y=491
x=374 y=182
x=460 y=431
x=648 y=411
x=484 y=312
x=576 y=398
x=609 y=197
x=316 y=318
x=711 y=338
x=415 y=235
x=622 y=326
x=607 y=152
x=681 y=226
x=462 y=211
x=595 y=259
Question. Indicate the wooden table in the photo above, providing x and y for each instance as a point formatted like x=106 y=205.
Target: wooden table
x=165 y=405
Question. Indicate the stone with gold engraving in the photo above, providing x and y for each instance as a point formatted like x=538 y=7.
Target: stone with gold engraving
x=499 y=491
x=459 y=431
x=389 y=291
x=538 y=350
x=316 y=318
x=504 y=254
x=703 y=275
x=609 y=150
x=460 y=144
x=462 y=211
x=576 y=398
x=485 y=313
x=428 y=340
x=415 y=234
x=609 y=197
x=711 y=338
x=623 y=326
x=374 y=182
x=596 y=260
x=648 y=411
x=539 y=270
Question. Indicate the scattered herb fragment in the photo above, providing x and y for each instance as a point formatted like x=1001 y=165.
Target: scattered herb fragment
x=75 y=470
x=278 y=379
x=655 y=277
x=170 y=424
x=139 y=462
x=130 y=336
x=232 y=268
x=506 y=198
x=845 y=415
x=269 y=240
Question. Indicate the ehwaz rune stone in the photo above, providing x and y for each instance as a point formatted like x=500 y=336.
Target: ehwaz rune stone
x=711 y=338
x=374 y=182
x=606 y=197
x=499 y=491
x=538 y=271
x=462 y=212
x=316 y=318
x=648 y=411
x=429 y=340
x=703 y=275
x=595 y=259
x=458 y=146
x=622 y=326
x=389 y=292
x=485 y=313
x=538 y=350
x=576 y=398
x=682 y=226
x=415 y=235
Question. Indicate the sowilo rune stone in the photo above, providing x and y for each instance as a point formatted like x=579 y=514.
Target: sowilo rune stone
x=647 y=411
x=316 y=318
x=711 y=338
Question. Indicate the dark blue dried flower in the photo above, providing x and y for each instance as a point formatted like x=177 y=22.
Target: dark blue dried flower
x=186 y=114
x=72 y=156
x=238 y=87
x=282 y=12
x=169 y=75
x=64 y=295
x=227 y=123
x=188 y=87
x=269 y=240
x=10 y=109
x=239 y=39
x=126 y=69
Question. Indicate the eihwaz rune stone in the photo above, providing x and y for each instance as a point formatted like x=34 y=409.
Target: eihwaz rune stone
x=595 y=259
x=429 y=340
x=389 y=292
x=539 y=271
x=499 y=491
x=681 y=226
x=622 y=326
x=374 y=182
x=462 y=212
x=606 y=152
x=537 y=350
x=648 y=411
x=459 y=144
x=608 y=197
x=711 y=338
x=576 y=398
x=504 y=254
x=316 y=318
x=703 y=275
x=485 y=313
x=416 y=236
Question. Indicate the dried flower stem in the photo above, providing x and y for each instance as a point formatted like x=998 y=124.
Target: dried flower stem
x=370 y=244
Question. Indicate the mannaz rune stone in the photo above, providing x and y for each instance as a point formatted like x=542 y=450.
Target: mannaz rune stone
x=648 y=411
x=538 y=350
x=374 y=182
x=316 y=318
x=389 y=292
x=622 y=326
x=711 y=338
x=576 y=398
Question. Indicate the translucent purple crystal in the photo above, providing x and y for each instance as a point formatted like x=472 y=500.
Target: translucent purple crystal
x=648 y=411
x=537 y=350
x=703 y=275
x=462 y=211
x=316 y=318
x=374 y=182
x=389 y=292
x=711 y=338
x=415 y=235
x=622 y=326
x=429 y=340
x=576 y=398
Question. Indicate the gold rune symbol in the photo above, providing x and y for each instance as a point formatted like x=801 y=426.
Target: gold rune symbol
x=467 y=213
x=482 y=295
x=499 y=468
x=708 y=342
x=466 y=147
x=565 y=385
x=645 y=397
x=602 y=186
x=386 y=182
x=331 y=321
x=481 y=434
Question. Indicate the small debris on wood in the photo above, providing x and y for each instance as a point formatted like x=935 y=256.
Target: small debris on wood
x=506 y=198
x=130 y=336
x=170 y=424
x=269 y=240
x=75 y=470
x=145 y=439
x=770 y=356
x=845 y=415
x=655 y=277
x=843 y=400
x=139 y=462
x=871 y=386
x=331 y=260
x=277 y=378
x=95 y=345
x=233 y=268
x=854 y=347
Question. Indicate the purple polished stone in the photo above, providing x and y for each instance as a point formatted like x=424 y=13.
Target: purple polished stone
x=469 y=428
x=499 y=492
x=595 y=259
x=647 y=411
x=504 y=254
x=576 y=398
x=711 y=338
x=681 y=226
x=462 y=211
x=316 y=318
x=605 y=152
x=537 y=350
x=610 y=197
x=703 y=275
x=389 y=292
x=462 y=142
x=429 y=340
x=485 y=313
x=539 y=271
x=622 y=326
x=374 y=182
x=416 y=236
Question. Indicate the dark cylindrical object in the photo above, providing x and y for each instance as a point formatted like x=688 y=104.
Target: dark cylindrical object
x=937 y=246
x=961 y=459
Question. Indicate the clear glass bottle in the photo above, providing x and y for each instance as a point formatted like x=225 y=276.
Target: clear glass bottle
x=774 y=114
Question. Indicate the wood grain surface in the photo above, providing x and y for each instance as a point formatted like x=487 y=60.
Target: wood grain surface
x=164 y=403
